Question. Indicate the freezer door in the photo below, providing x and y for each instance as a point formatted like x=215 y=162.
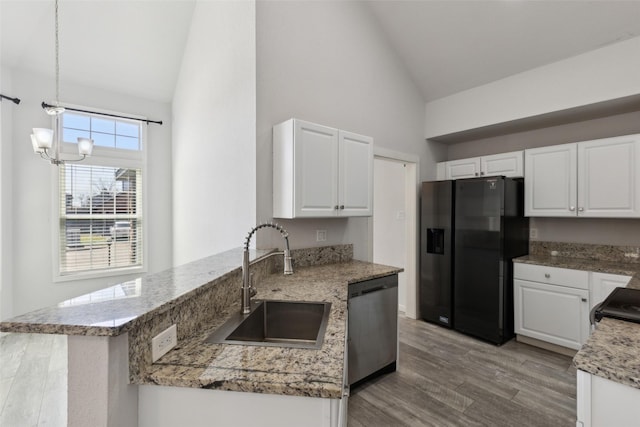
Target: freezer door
x=479 y=283
x=436 y=252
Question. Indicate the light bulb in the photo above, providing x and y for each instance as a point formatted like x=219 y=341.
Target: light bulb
x=44 y=137
x=85 y=146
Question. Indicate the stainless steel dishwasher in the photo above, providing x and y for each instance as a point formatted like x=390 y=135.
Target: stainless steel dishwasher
x=373 y=326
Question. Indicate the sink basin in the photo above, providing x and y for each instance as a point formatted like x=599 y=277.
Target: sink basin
x=298 y=324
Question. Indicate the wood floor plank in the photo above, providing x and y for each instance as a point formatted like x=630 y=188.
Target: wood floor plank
x=495 y=411
x=367 y=414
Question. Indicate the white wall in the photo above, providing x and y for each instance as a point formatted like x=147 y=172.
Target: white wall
x=30 y=200
x=608 y=73
x=6 y=120
x=328 y=62
x=214 y=132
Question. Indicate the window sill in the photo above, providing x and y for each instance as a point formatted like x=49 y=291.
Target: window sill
x=86 y=275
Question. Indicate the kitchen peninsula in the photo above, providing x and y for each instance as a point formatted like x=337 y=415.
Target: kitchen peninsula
x=113 y=381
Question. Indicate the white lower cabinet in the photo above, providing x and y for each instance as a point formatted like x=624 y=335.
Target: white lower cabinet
x=602 y=284
x=555 y=314
x=605 y=403
x=551 y=304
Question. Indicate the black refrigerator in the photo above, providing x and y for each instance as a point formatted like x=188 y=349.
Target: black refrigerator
x=471 y=229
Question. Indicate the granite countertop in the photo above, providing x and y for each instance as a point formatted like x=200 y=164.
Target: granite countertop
x=115 y=310
x=276 y=370
x=625 y=269
x=612 y=351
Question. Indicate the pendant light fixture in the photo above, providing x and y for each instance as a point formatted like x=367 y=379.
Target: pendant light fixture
x=44 y=140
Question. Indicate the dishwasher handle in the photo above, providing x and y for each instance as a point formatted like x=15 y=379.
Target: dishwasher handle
x=374 y=285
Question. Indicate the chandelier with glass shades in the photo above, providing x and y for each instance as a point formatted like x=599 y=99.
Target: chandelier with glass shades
x=46 y=142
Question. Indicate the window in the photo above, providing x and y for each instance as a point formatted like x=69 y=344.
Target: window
x=100 y=200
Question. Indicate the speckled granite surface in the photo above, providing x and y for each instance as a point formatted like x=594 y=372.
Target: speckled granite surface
x=110 y=317
x=301 y=372
x=607 y=253
x=613 y=349
x=612 y=352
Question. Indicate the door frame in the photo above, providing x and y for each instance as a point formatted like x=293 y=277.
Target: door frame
x=411 y=188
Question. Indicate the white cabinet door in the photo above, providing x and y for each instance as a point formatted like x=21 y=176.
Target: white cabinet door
x=551 y=313
x=355 y=174
x=602 y=284
x=550 y=181
x=305 y=170
x=505 y=164
x=316 y=169
x=464 y=168
x=609 y=177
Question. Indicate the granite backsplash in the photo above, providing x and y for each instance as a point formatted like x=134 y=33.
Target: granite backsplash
x=607 y=253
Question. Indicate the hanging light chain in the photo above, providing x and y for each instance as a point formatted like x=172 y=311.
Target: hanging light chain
x=57 y=57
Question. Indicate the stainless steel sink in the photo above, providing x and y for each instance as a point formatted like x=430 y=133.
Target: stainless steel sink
x=298 y=324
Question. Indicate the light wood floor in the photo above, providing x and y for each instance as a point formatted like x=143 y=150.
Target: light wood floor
x=448 y=379
x=444 y=379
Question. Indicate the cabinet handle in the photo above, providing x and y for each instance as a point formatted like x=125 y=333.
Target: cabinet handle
x=341 y=207
x=481 y=173
x=572 y=208
x=580 y=209
x=583 y=299
x=547 y=275
x=335 y=207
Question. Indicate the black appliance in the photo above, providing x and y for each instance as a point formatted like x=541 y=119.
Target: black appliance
x=622 y=304
x=471 y=230
x=436 y=254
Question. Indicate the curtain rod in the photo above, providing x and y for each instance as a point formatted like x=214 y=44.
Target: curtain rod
x=147 y=121
x=14 y=100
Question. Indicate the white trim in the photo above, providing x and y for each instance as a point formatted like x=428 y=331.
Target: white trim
x=386 y=153
x=583 y=399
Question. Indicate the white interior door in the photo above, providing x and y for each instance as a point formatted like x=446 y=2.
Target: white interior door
x=389 y=220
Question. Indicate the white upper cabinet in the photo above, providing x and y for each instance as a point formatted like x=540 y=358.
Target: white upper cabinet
x=550 y=181
x=609 y=177
x=505 y=164
x=464 y=168
x=596 y=179
x=320 y=171
x=355 y=175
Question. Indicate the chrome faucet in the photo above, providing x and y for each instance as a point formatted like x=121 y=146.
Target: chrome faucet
x=247 y=290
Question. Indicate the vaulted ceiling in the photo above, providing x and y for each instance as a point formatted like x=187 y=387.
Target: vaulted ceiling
x=447 y=46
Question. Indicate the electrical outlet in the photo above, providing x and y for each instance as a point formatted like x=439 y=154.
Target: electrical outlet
x=321 y=235
x=163 y=342
x=533 y=233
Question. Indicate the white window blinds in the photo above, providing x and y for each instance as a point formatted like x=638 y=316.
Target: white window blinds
x=100 y=218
